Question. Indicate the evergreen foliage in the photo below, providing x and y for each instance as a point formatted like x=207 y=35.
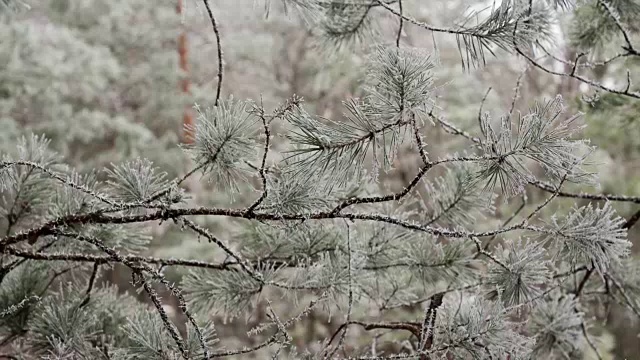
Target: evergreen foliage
x=320 y=233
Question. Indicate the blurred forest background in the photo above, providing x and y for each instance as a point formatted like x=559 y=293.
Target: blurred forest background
x=103 y=81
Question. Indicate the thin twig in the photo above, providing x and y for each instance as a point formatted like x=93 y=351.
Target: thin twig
x=632 y=220
x=484 y=252
x=204 y=232
x=412 y=327
x=584 y=280
x=593 y=83
x=589 y=341
x=548 y=200
x=506 y=222
x=428 y=324
x=601 y=197
x=400 y=26
x=103 y=259
x=155 y=299
x=584 y=64
x=92 y=279
x=350 y=296
x=420 y=143
x=630 y=303
x=484 y=99
x=262 y=172
x=180 y=180
x=220 y=59
x=516 y=93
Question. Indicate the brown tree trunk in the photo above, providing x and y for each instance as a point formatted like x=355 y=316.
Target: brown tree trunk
x=187 y=118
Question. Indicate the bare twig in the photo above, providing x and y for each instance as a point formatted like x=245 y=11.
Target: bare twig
x=589 y=341
x=92 y=279
x=506 y=222
x=484 y=99
x=516 y=93
x=573 y=75
x=632 y=220
x=262 y=172
x=220 y=59
x=350 y=302
x=584 y=280
x=401 y=24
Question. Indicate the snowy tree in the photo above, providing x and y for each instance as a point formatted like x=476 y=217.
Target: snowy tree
x=426 y=271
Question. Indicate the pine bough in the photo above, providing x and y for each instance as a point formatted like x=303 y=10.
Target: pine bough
x=319 y=235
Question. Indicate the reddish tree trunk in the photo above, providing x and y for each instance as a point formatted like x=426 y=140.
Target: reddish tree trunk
x=187 y=118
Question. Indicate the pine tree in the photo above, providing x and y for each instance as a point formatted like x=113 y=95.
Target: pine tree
x=86 y=65
x=428 y=271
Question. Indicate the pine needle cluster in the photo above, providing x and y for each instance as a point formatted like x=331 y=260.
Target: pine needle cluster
x=320 y=234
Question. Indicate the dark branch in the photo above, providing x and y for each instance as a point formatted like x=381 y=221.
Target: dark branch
x=220 y=60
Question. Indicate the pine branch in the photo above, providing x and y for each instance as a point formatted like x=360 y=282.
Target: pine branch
x=65 y=181
x=499 y=29
x=345 y=24
x=138 y=269
x=155 y=299
x=616 y=17
x=573 y=75
x=385 y=198
x=105 y=259
x=593 y=83
x=393 y=256
x=17 y=307
x=538 y=183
